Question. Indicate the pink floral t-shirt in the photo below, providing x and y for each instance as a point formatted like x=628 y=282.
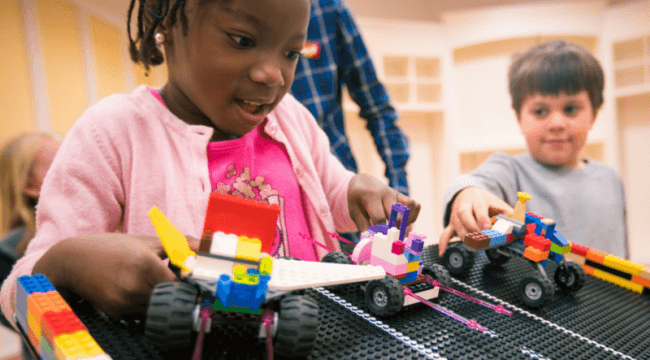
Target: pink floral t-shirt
x=258 y=167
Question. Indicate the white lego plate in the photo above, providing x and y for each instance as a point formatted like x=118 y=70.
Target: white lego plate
x=294 y=275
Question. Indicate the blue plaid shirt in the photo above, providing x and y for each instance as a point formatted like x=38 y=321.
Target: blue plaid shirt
x=344 y=60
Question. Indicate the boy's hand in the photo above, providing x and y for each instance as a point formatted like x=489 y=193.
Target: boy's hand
x=470 y=212
x=115 y=272
x=370 y=202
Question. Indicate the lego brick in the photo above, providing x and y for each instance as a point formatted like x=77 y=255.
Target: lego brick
x=645 y=273
x=518 y=226
x=39 y=304
x=579 y=249
x=392 y=220
x=75 y=346
x=27 y=285
x=398 y=247
x=608 y=269
x=641 y=281
x=627 y=284
x=558 y=239
x=534 y=254
x=46 y=350
x=242 y=217
x=382 y=248
x=476 y=240
x=294 y=275
x=622 y=265
x=412 y=236
x=411 y=258
x=224 y=244
x=416 y=246
x=575 y=258
x=560 y=249
x=426 y=294
x=401 y=269
x=248 y=248
x=54 y=324
x=503 y=226
x=210 y=268
x=236 y=309
x=362 y=251
x=595 y=256
x=588 y=269
x=390 y=269
x=412 y=266
x=411 y=276
x=241 y=275
x=33 y=329
x=520 y=207
x=496 y=237
x=538 y=242
x=530 y=228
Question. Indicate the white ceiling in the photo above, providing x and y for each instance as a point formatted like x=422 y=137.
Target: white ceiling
x=418 y=10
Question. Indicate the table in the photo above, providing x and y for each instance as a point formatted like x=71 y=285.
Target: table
x=600 y=321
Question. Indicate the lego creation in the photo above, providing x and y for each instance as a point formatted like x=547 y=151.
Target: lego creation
x=523 y=235
x=53 y=329
x=235 y=276
x=399 y=255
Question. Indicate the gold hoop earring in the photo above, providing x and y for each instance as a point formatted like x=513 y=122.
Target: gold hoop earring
x=160 y=38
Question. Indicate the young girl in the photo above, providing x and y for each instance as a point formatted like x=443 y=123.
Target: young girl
x=221 y=123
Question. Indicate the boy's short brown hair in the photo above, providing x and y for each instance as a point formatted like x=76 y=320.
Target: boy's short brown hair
x=555 y=67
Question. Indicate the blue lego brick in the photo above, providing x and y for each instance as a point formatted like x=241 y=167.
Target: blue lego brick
x=558 y=239
x=411 y=257
x=555 y=257
x=550 y=229
x=230 y=293
x=412 y=276
x=496 y=237
x=543 y=262
x=224 y=287
x=28 y=285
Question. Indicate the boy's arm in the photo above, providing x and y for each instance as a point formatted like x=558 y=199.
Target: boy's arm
x=81 y=194
x=371 y=96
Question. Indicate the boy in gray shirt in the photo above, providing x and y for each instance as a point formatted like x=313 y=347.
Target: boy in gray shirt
x=556 y=90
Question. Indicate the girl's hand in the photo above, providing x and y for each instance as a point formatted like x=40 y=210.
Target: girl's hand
x=115 y=272
x=470 y=212
x=370 y=202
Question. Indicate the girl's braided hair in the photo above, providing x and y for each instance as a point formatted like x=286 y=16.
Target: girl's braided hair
x=147 y=53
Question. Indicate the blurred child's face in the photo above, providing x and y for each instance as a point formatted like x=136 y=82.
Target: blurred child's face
x=42 y=161
x=556 y=126
x=237 y=61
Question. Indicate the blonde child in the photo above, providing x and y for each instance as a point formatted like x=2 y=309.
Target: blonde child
x=556 y=90
x=221 y=123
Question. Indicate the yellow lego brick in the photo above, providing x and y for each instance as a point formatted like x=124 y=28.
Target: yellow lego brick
x=77 y=345
x=266 y=265
x=249 y=249
x=241 y=276
x=645 y=273
x=575 y=258
x=35 y=327
x=623 y=265
x=412 y=266
x=617 y=280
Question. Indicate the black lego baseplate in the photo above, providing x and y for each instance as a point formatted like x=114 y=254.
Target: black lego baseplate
x=600 y=321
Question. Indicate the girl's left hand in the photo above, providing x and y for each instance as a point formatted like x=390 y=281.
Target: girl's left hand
x=370 y=202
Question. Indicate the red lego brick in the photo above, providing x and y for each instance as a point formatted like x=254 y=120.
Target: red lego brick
x=476 y=240
x=242 y=217
x=538 y=242
x=596 y=256
x=530 y=228
x=398 y=247
x=579 y=249
x=54 y=324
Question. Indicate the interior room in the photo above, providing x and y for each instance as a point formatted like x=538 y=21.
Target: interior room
x=444 y=64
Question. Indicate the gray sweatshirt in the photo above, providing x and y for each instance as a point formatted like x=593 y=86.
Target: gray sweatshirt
x=588 y=204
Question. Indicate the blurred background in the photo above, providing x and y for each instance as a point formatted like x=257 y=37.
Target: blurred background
x=444 y=64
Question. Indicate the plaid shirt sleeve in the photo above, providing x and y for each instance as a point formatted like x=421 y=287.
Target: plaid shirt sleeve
x=365 y=89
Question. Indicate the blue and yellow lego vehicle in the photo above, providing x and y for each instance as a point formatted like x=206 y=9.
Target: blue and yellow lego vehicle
x=526 y=236
x=235 y=276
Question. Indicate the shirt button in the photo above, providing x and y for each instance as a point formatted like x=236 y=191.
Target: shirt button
x=272 y=128
x=324 y=211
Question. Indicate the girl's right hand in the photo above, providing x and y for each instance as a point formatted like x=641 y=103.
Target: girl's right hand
x=470 y=213
x=115 y=272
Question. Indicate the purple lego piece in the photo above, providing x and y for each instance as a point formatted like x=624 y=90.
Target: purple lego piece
x=417 y=245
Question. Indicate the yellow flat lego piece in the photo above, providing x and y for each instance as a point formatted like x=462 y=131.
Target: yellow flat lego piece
x=617 y=280
x=241 y=276
x=249 y=249
x=174 y=242
x=623 y=265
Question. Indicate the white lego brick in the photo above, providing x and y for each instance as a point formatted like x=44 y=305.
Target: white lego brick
x=224 y=244
x=392 y=235
x=503 y=226
x=380 y=244
x=210 y=269
x=295 y=275
x=426 y=295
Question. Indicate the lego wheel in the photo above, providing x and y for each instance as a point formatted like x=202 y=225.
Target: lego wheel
x=535 y=290
x=297 y=326
x=170 y=317
x=439 y=273
x=570 y=277
x=457 y=259
x=495 y=257
x=337 y=258
x=385 y=297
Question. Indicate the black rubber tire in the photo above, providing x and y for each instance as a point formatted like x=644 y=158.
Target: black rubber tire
x=495 y=257
x=297 y=326
x=384 y=297
x=439 y=273
x=170 y=320
x=570 y=277
x=457 y=259
x=535 y=290
x=337 y=258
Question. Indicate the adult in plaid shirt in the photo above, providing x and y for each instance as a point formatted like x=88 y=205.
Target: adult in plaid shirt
x=335 y=56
